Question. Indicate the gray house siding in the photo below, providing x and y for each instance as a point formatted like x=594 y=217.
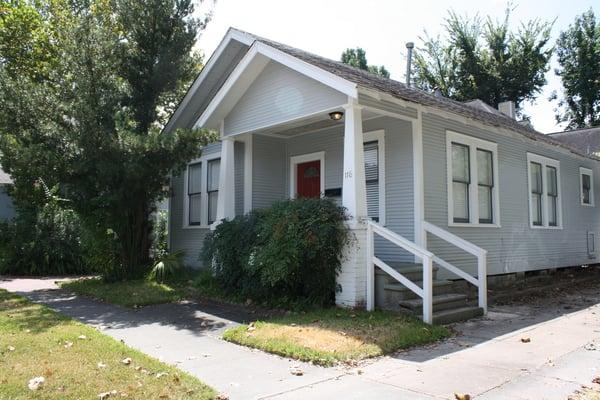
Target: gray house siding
x=268 y=170
x=7 y=210
x=384 y=105
x=277 y=95
x=514 y=246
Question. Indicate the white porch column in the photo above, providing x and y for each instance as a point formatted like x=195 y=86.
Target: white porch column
x=226 y=199
x=354 y=190
x=353 y=276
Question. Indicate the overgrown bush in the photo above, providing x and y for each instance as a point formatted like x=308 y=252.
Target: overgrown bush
x=286 y=255
x=42 y=239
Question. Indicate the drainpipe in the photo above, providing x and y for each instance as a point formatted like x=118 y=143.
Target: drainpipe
x=409 y=47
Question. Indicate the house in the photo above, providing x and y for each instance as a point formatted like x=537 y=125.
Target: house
x=7 y=210
x=586 y=140
x=436 y=189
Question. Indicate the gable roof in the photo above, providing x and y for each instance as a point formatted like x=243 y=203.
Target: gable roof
x=396 y=89
x=586 y=140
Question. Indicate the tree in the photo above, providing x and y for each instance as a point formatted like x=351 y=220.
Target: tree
x=91 y=122
x=358 y=59
x=578 y=51
x=483 y=60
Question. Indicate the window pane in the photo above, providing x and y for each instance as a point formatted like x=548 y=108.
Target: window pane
x=371 y=161
x=552 y=215
x=194 y=214
x=551 y=177
x=460 y=194
x=212 y=182
x=212 y=206
x=586 y=183
x=536 y=178
x=485 y=204
x=460 y=163
x=194 y=178
x=536 y=208
x=484 y=167
x=373 y=200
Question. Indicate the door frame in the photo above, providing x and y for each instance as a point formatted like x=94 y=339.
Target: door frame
x=300 y=159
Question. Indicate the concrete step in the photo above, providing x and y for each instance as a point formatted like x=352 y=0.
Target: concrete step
x=401 y=292
x=411 y=271
x=456 y=314
x=440 y=302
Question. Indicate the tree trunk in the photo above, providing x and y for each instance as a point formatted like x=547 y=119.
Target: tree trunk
x=135 y=242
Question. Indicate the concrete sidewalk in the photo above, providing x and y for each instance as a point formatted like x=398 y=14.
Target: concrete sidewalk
x=486 y=359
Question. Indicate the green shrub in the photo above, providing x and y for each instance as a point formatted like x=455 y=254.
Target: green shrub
x=42 y=240
x=286 y=255
x=167 y=267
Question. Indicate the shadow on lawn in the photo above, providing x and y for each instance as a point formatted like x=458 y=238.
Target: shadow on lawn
x=199 y=317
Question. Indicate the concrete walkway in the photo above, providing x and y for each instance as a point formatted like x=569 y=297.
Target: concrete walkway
x=486 y=359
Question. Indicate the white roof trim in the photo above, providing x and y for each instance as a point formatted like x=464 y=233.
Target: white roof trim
x=256 y=56
x=232 y=34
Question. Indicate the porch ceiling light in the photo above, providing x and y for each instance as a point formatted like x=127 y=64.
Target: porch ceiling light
x=336 y=115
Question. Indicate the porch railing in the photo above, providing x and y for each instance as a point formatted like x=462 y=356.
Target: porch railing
x=427 y=259
x=425 y=293
x=481 y=254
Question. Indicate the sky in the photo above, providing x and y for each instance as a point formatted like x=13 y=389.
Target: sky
x=382 y=28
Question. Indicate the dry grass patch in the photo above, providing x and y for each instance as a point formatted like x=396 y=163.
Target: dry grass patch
x=327 y=337
x=78 y=362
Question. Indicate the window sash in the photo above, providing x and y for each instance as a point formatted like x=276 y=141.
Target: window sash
x=544 y=191
x=586 y=188
x=485 y=182
x=194 y=193
x=461 y=180
x=371 y=161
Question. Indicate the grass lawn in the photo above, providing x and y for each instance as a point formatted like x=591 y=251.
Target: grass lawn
x=327 y=337
x=128 y=294
x=77 y=361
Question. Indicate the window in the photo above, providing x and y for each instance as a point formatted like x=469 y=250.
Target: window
x=374 y=160
x=586 y=181
x=194 y=192
x=212 y=188
x=544 y=192
x=472 y=181
x=372 y=178
x=202 y=189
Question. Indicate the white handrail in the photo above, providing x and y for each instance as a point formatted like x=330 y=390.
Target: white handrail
x=426 y=293
x=481 y=254
x=452 y=238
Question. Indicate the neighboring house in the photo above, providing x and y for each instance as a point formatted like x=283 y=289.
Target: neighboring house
x=7 y=210
x=587 y=140
x=461 y=186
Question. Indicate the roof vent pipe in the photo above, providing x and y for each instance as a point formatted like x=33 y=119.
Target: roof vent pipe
x=409 y=46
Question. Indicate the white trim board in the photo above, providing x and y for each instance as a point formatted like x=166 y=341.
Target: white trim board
x=473 y=144
x=299 y=159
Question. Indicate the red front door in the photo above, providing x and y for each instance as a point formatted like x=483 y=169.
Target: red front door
x=308 y=179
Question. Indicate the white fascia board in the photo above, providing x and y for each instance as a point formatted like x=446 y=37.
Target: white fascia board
x=232 y=34
x=250 y=67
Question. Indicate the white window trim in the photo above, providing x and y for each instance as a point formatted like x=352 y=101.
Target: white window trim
x=379 y=137
x=544 y=161
x=203 y=193
x=586 y=171
x=295 y=160
x=474 y=144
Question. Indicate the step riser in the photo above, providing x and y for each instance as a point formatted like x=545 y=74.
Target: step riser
x=407 y=294
x=460 y=315
x=411 y=275
x=448 y=305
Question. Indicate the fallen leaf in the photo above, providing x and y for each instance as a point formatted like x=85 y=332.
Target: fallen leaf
x=106 y=395
x=36 y=383
x=525 y=339
x=68 y=344
x=596 y=380
x=459 y=396
x=82 y=337
x=11 y=348
x=360 y=372
x=161 y=374
x=126 y=361
x=101 y=365
x=296 y=371
x=222 y=396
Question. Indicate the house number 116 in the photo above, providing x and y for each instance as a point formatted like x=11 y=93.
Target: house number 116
x=347 y=174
